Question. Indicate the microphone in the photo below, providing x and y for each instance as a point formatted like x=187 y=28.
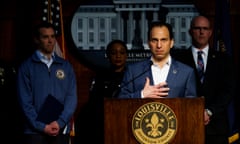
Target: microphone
x=116 y=92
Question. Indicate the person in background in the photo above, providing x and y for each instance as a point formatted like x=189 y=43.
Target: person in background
x=217 y=83
x=106 y=84
x=47 y=93
x=108 y=81
x=159 y=76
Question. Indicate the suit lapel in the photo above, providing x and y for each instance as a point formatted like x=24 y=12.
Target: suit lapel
x=147 y=66
x=173 y=71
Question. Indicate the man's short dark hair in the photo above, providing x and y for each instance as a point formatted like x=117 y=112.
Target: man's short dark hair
x=43 y=25
x=160 y=24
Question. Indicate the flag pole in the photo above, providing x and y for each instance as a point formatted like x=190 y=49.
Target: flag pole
x=62 y=30
x=72 y=131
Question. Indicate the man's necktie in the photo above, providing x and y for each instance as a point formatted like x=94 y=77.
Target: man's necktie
x=200 y=66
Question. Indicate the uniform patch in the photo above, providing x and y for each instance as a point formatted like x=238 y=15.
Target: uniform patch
x=60 y=74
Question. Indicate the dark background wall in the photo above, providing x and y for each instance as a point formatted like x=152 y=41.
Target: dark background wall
x=18 y=17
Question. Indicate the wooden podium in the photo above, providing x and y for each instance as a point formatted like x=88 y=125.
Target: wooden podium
x=119 y=113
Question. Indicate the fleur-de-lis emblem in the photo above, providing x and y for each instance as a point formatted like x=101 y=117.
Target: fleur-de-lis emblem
x=154 y=124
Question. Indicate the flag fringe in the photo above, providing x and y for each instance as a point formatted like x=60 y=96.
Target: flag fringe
x=233 y=138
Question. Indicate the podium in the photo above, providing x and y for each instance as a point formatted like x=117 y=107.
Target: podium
x=182 y=119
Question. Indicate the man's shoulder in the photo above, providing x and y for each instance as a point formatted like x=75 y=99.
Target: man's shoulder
x=179 y=52
x=141 y=63
x=223 y=57
x=63 y=61
x=182 y=65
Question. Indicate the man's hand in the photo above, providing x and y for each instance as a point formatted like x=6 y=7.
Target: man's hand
x=155 y=91
x=206 y=118
x=52 y=129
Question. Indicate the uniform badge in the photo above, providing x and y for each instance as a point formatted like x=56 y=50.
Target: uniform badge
x=60 y=74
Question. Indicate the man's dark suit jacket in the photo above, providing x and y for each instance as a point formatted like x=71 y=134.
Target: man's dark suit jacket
x=217 y=87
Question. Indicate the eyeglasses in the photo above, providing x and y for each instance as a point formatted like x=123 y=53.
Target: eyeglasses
x=201 y=28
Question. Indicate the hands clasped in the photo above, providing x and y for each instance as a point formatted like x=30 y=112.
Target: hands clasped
x=52 y=129
x=155 y=91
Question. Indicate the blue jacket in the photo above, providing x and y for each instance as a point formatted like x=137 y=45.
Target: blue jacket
x=36 y=81
x=181 y=80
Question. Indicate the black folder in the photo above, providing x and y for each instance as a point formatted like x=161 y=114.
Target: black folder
x=50 y=111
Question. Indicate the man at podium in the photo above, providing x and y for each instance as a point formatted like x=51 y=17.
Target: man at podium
x=159 y=76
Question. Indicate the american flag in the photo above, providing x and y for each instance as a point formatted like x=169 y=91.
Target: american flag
x=52 y=12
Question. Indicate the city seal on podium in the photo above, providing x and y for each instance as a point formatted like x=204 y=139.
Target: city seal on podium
x=154 y=123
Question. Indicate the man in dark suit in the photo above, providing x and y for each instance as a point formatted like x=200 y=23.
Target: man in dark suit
x=161 y=75
x=217 y=86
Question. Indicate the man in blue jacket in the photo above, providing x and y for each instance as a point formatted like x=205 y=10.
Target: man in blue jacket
x=47 y=92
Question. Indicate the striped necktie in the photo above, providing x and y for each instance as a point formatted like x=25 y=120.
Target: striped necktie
x=200 y=66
